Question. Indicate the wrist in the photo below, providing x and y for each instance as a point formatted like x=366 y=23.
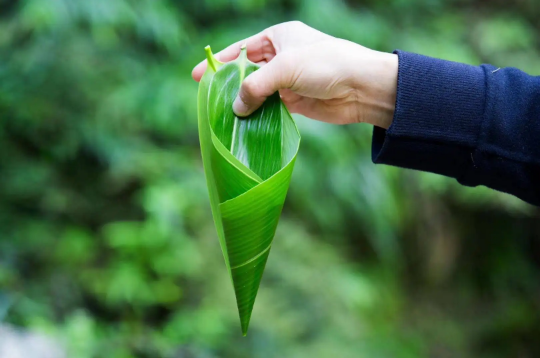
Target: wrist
x=378 y=88
x=388 y=74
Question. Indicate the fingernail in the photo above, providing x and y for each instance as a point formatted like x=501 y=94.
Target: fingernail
x=240 y=108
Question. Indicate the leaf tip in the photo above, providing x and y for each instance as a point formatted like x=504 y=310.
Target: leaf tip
x=245 y=328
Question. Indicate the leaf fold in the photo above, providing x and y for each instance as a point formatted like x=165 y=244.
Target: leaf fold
x=248 y=165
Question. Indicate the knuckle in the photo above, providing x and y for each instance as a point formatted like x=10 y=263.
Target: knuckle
x=297 y=23
x=289 y=24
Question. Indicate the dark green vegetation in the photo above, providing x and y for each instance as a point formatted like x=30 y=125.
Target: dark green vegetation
x=106 y=236
x=247 y=189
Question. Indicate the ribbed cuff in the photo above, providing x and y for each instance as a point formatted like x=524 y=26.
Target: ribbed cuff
x=438 y=116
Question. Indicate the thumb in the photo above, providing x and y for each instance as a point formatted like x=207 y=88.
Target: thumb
x=264 y=82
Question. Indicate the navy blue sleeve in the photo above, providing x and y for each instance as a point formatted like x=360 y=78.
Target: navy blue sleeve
x=477 y=124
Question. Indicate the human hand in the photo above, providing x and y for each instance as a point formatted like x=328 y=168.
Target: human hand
x=317 y=75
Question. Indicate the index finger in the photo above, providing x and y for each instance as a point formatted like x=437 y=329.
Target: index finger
x=254 y=44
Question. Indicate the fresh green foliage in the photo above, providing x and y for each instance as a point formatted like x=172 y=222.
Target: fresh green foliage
x=248 y=164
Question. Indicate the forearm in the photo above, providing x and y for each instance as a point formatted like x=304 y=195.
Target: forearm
x=479 y=125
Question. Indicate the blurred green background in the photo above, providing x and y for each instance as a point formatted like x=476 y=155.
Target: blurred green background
x=106 y=236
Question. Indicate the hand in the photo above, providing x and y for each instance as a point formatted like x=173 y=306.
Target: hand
x=317 y=75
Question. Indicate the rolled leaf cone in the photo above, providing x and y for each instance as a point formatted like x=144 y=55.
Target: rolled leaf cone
x=248 y=165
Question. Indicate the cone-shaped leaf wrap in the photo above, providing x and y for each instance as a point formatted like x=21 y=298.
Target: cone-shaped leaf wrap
x=248 y=165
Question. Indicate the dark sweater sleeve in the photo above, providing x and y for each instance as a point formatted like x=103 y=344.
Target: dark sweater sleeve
x=477 y=124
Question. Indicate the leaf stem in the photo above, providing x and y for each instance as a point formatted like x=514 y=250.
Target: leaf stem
x=212 y=62
x=242 y=60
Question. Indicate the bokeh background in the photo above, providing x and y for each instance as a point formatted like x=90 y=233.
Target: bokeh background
x=107 y=244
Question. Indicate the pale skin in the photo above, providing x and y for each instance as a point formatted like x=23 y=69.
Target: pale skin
x=317 y=75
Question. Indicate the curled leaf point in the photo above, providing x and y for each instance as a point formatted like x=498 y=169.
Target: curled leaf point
x=248 y=167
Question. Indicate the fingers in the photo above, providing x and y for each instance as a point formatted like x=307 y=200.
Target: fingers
x=255 y=47
x=277 y=74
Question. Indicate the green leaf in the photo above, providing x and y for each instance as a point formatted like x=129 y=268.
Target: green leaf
x=248 y=165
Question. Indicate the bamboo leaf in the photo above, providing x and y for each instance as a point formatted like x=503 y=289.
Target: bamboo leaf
x=248 y=165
